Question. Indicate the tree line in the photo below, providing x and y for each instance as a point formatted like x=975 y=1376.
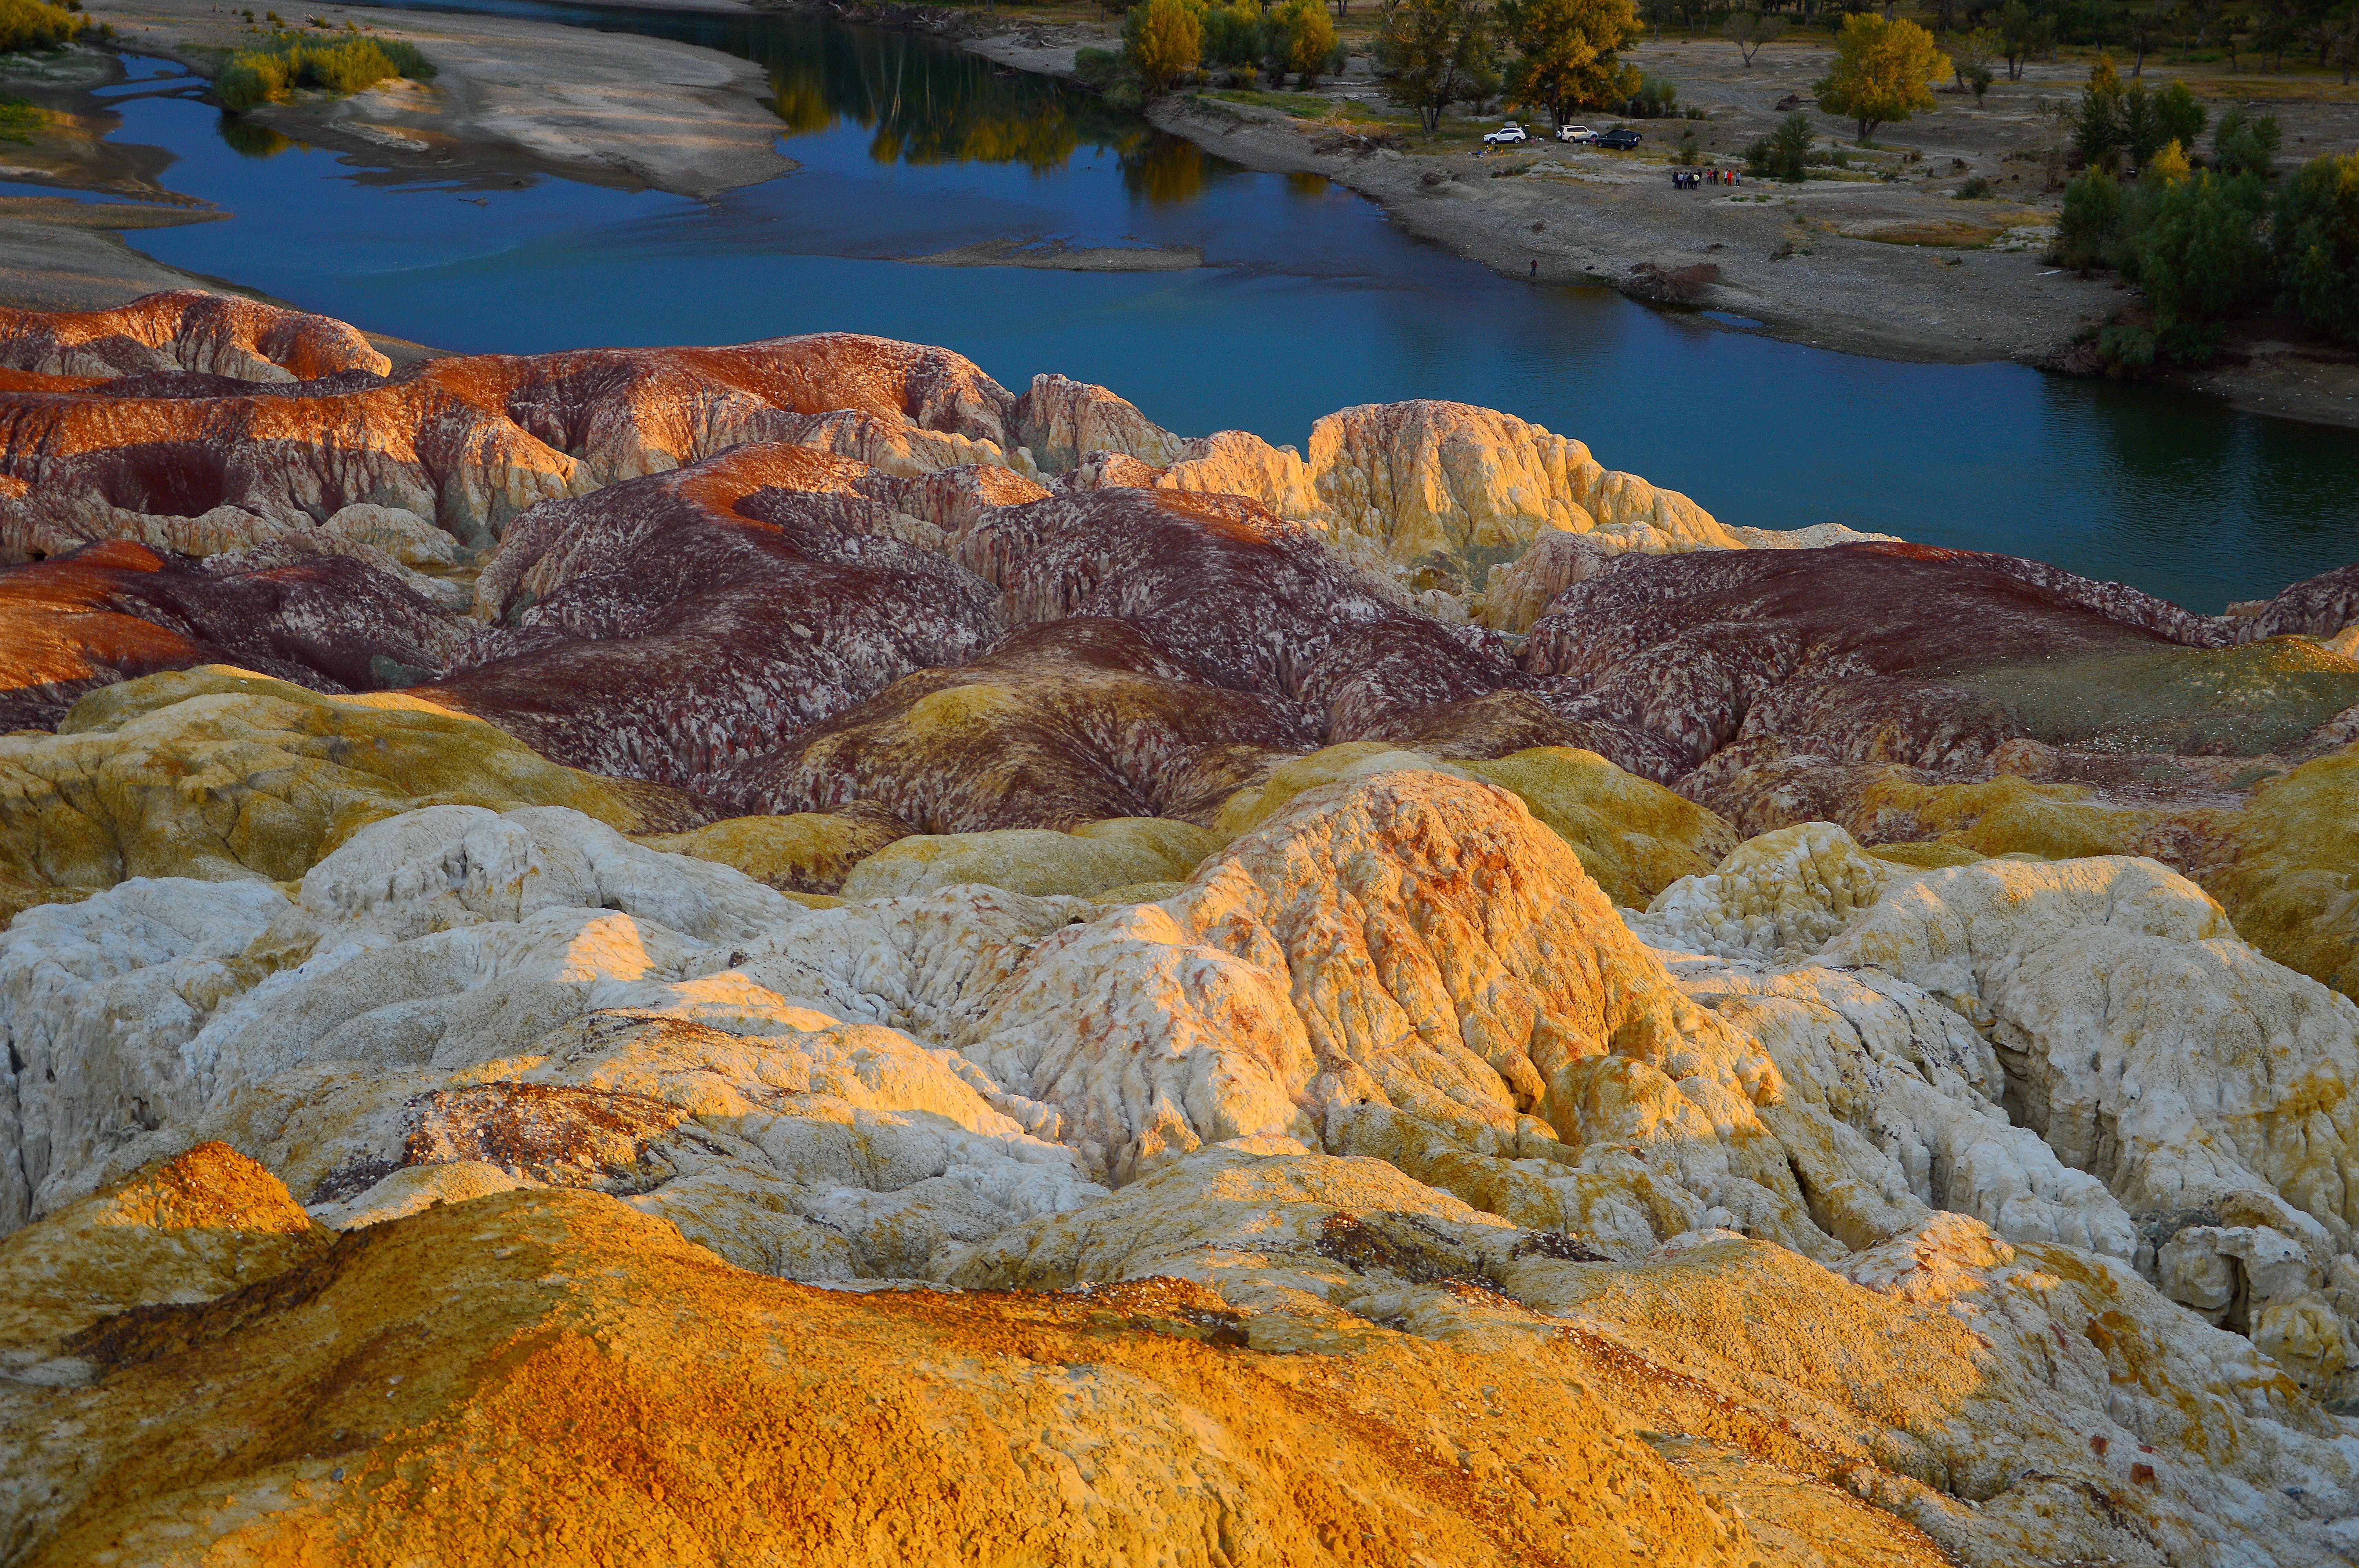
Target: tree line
x=2206 y=238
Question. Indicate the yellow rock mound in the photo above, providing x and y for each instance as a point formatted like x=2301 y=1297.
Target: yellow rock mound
x=1633 y=836
x=219 y=774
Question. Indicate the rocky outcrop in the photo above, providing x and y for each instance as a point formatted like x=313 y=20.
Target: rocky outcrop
x=638 y=628
x=1461 y=1011
x=526 y=1016
x=1932 y=658
x=115 y=612
x=185 y=330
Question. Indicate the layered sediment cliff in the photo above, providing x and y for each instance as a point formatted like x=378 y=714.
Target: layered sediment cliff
x=762 y=952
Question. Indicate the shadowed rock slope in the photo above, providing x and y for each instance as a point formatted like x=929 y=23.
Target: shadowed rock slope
x=779 y=953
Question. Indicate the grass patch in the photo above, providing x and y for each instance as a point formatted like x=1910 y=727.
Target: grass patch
x=1932 y=231
x=289 y=61
x=1301 y=105
x=2236 y=702
x=19 y=120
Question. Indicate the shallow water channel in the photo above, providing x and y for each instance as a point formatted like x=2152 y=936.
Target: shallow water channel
x=1309 y=300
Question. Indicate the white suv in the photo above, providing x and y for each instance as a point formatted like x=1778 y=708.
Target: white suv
x=1575 y=134
x=1507 y=135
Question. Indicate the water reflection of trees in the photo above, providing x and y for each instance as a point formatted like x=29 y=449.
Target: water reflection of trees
x=927 y=104
x=249 y=140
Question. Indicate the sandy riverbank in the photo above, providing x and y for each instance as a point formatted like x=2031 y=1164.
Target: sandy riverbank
x=512 y=96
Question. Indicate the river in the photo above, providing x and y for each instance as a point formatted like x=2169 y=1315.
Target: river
x=1309 y=300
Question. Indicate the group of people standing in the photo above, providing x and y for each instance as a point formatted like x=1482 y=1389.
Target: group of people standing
x=1695 y=178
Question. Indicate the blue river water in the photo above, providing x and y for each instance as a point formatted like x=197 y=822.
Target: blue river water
x=1309 y=300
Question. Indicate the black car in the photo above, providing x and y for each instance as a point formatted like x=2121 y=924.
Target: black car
x=1621 y=138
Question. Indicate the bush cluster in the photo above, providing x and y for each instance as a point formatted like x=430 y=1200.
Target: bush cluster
x=289 y=61
x=30 y=25
x=2208 y=245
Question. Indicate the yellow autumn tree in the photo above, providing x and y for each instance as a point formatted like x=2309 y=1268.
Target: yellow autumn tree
x=1162 y=40
x=1310 y=38
x=1882 y=73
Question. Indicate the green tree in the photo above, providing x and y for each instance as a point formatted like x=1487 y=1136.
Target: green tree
x=1430 y=50
x=2315 y=238
x=1161 y=40
x=1970 y=56
x=1882 y=73
x=1784 y=154
x=2243 y=144
x=2182 y=118
x=1749 y=30
x=2141 y=125
x=2340 y=42
x=1232 y=35
x=2199 y=257
x=2090 y=230
x=2023 y=35
x=2097 y=126
x=1567 y=51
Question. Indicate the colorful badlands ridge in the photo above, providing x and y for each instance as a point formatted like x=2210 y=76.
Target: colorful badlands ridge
x=779 y=955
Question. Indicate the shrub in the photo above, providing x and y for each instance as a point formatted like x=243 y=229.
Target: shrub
x=29 y=24
x=2315 y=239
x=1095 y=68
x=1975 y=189
x=286 y=62
x=406 y=59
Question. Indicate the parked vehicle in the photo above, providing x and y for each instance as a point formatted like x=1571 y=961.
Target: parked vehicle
x=1621 y=138
x=1575 y=134
x=1507 y=135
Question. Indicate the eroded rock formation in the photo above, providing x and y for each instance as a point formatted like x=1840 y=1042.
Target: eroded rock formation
x=1412 y=999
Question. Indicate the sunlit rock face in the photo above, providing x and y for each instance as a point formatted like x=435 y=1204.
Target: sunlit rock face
x=748 y=953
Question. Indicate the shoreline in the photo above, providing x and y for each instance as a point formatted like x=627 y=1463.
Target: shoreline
x=1799 y=262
